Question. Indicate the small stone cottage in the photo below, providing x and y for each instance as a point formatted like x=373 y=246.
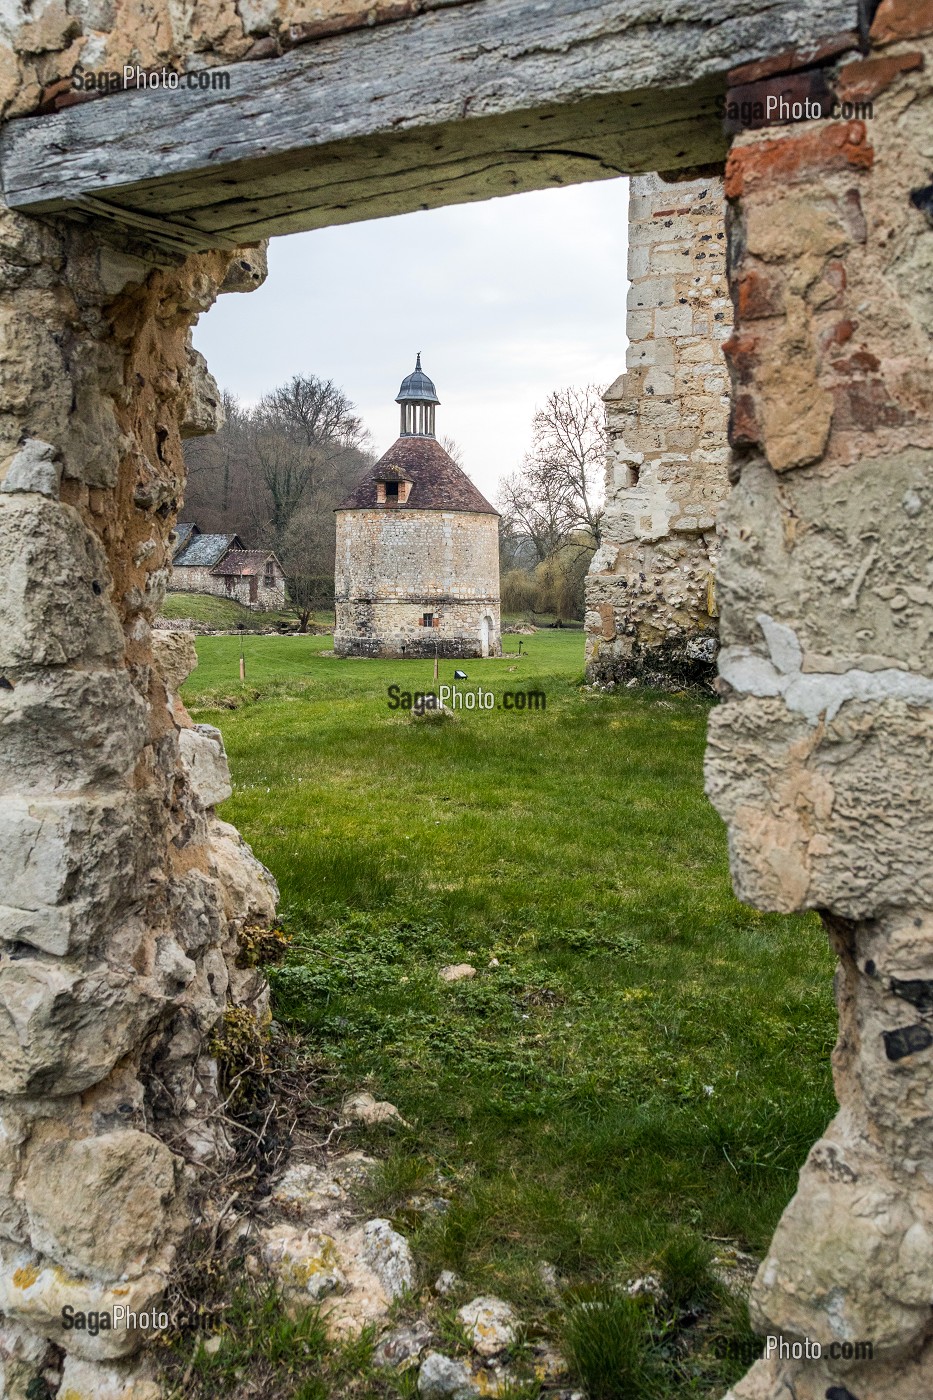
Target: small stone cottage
x=417 y=569
x=220 y=564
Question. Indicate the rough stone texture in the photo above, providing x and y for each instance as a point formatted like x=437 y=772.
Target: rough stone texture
x=305 y=1263
x=175 y=656
x=388 y=1255
x=202 y=752
x=82 y=1380
x=401 y=1348
x=352 y=1271
x=443 y=1378
x=490 y=1324
x=33 y=469
x=363 y=1108
x=819 y=759
x=395 y=566
x=120 y=896
x=457 y=972
x=98 y=1204
x=650 y=593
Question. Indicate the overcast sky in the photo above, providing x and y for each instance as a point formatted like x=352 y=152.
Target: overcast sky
x=506 y=300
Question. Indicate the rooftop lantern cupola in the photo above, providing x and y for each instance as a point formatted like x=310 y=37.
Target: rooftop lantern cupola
x=418 y=398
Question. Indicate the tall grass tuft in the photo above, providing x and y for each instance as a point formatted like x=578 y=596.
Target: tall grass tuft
x=609 y=1345
x=685 y=1271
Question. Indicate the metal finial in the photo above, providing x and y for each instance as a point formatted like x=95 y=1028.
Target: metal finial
x=418 y=360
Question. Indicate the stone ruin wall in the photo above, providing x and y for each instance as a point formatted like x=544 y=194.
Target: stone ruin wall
x=819 y=759
x=118 y=963
x=122 y=895
x=650 y=593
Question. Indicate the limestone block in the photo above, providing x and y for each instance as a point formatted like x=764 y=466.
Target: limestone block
x=65 y=865
x=852 y=1257
x=305 y=1263
x=175 y=656
x=33 y=469
x=21 y=1360
x=838 y=594
x=53 y=590
x=249 y=267
x=62 y=1030
x=204 y=758
x=795 y=796
x=444 y=1378
x=250 y=893
x=673 y=321
x=35 y=385
x=12 y=1219
x=401 y=1348
x=97 y=1206
x=203 y=412
x=900 y=1379
x=118 y=270
x=389 y=1256
x=84 y=1380
x=33 y=1293
x=64 y=730
x=490 y=1324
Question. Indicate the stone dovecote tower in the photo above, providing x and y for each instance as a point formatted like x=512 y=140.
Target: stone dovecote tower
x=417 y=549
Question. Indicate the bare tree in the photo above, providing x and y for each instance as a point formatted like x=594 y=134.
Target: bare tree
x=274 y=475
x=299 y=432
x=533 y=509
x=307 y=555
x=317 y=410
x=454 y=451
x=569 y=452
x=552 y=507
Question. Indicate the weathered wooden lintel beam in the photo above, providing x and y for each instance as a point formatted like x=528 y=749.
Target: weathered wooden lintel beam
x=458 y=104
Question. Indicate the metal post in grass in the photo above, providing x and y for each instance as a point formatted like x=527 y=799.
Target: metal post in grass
x=241 y=625
x=435 y=660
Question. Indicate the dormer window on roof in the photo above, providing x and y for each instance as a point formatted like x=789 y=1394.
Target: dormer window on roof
x=418 y=398
x=392 y=491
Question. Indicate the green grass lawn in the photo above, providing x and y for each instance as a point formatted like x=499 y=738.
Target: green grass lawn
x=645 y=1068
x=227 y=612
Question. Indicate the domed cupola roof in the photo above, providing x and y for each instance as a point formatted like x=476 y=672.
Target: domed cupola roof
x=417 y=387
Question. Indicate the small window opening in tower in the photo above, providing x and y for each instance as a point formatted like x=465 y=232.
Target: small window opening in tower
x=391 y=492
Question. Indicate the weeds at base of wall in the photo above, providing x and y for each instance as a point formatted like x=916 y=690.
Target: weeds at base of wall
x=670 y=666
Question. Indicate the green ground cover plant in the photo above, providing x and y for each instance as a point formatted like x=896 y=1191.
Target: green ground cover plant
x=636 y=1071
x=227 y=612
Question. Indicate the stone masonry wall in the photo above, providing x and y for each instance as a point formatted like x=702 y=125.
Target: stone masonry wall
x=650 y=593
x=820 y=756
x=121 y=894
x=394 y=566
x=192 y=580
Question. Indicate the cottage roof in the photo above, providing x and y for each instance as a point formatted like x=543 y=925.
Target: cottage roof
x=437 y=481
x=204 y=551
x=243 y=562
x=183 y=534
